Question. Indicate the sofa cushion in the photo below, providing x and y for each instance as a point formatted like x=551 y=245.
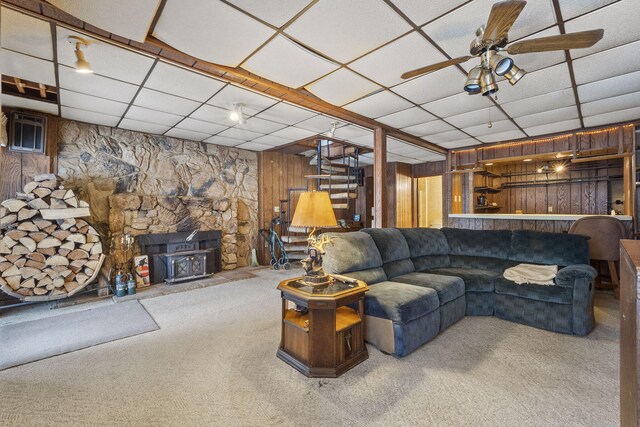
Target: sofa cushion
x=428 y=247
x=479 y=243
x=480 y=262
x=400 y=302
x=393 y=249
x=369 y=276
x=475 y=279
x=353 y=252
x=540 y=247
x=447 y=287
x=552 y=293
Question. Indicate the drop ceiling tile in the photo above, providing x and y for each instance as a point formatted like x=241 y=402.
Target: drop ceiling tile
x=536 y=83
x=364 y=141
x=143 y=126
x=319 y=124
x=502 y=136
x=402 y=159
x=187 y=134
x=496 y=127
x=286 y=113
x=549 y=116
x=341 y=87
x=28 y=68
x=540 y=103
x=386 y=65
x=405 y=118
x=241 y=134
x=452 y=135
x=275 y=12
x=477 y=117
x=400 y=147
x=293 y=133
x=216 y=32
x=89 y=116
x=613 y=86
x=538 y=60
x=255 y=124
x=134 y=24
x=613 y=117
x=349 y=132
x=620 y=21
x=164 y=102
x=221 y=140
x=573 y=8
x=165 y=78
x=105 y=59
x=465 y=142
x=430 y=87
x=379 y=104
x=80 y=101
x=344 y=30
x=457 y=104
x=616 y=103
x=421 y=12
x=201 y=126
x=254 y=146
x=429 y=128
x=93 y=84
x=29 y=104
x=613 y=62
x=272 y=140
x=284 y=61
x=35 y=42
x=553 y=127
x=251 y=101
x=152 y=116
x=217 y=115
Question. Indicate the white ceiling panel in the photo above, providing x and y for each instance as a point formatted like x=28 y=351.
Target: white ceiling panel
x=255 y=124
x=613 y=117
x=535 y=61
x=319 y=124
x=293 y=133
x=134 y=24
x=143 y=126
x=619 y=20
x=465 y=142
x=553 y=127
x=89 y=116
x=573 y=8
x=221 y=140
x=93 y=84
x=164 y=102
x=351 y=131
x=187 y=134
x=457 y=104
x=152 y=116
x=613 y=62
x=275 y=12
x=344 y=30
x=406 y=118
x=81 y=101
x=455 y=31
x=379 y=104
x=254 y=146
x=402 y=159
x=28 y=68
x=286 y=113
x=272 y=140
x=400 y=147
x=614 y=86
x=342 y=86
x=386 y=65
x=429 y=128
x=442 y=83
x=29 y=104
x=502 y=136
x=35 y=42
x=616 y=103
x=105 y=59
x=210 y=30
x=421 y=12
x=548 y=116
x=364 y=141
x=209 y=113
x=191 y=85
x=477 y=117
x=240 y=134
x=536 y=83
x=201 y=126
x=251 y=101
x=540 y=103
x=452 y=135
x=284 y=61
x=496 y=127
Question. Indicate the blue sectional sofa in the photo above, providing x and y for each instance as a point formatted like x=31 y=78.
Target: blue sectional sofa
x=423 y=280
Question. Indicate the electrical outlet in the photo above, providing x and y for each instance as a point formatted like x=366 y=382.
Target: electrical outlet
x=550 y=209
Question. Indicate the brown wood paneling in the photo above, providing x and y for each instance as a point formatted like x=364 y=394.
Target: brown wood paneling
x=404 y=195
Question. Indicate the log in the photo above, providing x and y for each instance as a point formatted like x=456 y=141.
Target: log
x=63 y=251
x=64 y=213
x=26 y=213
x=57 y=260
x=83 y=204
x=81 y=278
x=20 y=263
x=38 y=204
x=45 y=177
x=24 y=292
x=51 y=184
x=66 y=273
x=14 y=281
x=61 y=234
x=41 y=276
x=92 y=238
x=16 y=234
x=68 y=245
x=13 y=258
x=66 y=224
x=58 y=194
x=28 y=272
x=58 y=282
x=41 y=223
x=78 y=254
x=5 y=265
x=72 y=201
x=41 y=192
x=19 y=250
x=49 y=242
x=71 y=286
x=4 y=249
x=29 y=187
x=11 y=271
x=45 y=281
x=28 y=243
x=47 y=251
x=77 y=238
x=77 y=265
x=29 y=283
x=56 y=292
x=34 y=264
x=40 y=291
x=91 y=264
x=57 y=204
x=38 y=236
x=87 y=247
x=35 y=256
x=28 y=226
x=7 y=220
x=96 y=249
x=13 y=205
x=25 y=196
x=9 y=242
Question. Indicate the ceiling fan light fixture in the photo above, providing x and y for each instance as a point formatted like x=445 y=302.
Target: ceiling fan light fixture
x=488 y=84
x=501 y=64
x=472 y=85
x=514 y=74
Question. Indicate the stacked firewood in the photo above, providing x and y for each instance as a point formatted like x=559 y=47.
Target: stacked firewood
x=46 y=250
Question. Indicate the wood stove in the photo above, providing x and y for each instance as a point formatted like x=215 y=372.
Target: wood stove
x=173 y=258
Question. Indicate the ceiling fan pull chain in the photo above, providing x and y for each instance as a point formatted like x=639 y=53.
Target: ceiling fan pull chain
x=490 y=124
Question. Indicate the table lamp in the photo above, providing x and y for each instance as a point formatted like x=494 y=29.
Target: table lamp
x=314 y=211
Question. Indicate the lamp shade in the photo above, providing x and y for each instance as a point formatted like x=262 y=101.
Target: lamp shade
x=314 y=210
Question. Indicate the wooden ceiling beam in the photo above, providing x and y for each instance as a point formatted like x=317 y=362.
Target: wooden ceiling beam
x=18 y=84
x=24 y=84
x=157 y=49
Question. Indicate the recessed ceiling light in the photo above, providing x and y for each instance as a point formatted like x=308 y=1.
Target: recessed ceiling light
x=488 y=164
x=237 y=115
x=527 y=160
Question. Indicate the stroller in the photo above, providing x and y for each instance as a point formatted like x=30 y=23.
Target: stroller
x=279 y=257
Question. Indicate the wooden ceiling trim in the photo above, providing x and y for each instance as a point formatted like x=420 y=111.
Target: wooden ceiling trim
x=56 y=72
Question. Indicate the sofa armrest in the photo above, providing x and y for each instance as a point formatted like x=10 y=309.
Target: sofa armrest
x=580 y=278
x=567 y=276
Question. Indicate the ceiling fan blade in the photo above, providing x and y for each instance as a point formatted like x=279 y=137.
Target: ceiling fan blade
x=578 y=40
x=501 y=18
x=434 y=67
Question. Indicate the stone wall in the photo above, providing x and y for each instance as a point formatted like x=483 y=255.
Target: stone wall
x=178 y=184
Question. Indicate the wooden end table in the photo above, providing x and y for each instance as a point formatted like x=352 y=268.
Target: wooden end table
x=321 y=335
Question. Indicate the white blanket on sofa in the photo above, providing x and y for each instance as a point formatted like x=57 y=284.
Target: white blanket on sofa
x=531 y=273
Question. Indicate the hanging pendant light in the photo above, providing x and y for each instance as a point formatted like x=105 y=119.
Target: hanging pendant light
x=501 y=64
x=488 y=84
x=514 y=74
x=472 y=85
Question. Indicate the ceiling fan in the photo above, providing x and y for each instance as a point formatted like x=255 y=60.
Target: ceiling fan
x=492 y=38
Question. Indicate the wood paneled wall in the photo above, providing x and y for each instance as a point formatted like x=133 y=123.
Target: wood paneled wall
x=405 y=197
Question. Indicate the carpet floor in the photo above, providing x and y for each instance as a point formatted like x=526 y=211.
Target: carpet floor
x=212 y=362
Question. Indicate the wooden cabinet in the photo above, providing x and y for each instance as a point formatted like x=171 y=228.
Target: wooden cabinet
x=629 y=333
x=322 y=335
